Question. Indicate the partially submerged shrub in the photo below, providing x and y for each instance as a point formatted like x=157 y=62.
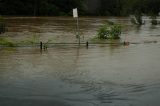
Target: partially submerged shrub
x=109 y=31
x=133 y=20
x=137 y=19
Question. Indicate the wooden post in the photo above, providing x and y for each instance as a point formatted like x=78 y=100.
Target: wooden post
x=87 y=44
x=41 y=45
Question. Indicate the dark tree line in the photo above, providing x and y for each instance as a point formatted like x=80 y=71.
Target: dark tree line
x=39 y=7
x=86 y=7
x=126 y=7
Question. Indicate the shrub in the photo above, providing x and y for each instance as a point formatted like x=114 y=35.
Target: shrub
x=109 y=31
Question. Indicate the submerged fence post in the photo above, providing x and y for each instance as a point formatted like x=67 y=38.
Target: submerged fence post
x=41 y=45
x=87 y=44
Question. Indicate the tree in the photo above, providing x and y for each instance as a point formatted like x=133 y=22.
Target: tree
x=85 y=7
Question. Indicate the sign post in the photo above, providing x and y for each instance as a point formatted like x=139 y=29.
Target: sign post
x=75 y=15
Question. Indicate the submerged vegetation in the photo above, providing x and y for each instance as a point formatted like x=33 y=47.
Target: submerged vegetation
x=137 y=19
x=109 y=31
x=6 y=42
x=31 y=41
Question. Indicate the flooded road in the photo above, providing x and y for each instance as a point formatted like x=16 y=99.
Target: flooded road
x=100 y=75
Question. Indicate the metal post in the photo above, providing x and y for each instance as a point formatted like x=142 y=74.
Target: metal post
x=75 y=15
x=79 y=38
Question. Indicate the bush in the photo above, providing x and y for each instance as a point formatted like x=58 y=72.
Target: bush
x=109 y=31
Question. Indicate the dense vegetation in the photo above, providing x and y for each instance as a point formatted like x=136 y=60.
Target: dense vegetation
x=109 y=31
x=39 y=7
x=86 y=7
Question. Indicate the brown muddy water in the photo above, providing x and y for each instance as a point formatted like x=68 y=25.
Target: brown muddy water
x=100 y=75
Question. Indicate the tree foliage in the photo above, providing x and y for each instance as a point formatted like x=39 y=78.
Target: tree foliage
x=86 y=7
x=39 y=7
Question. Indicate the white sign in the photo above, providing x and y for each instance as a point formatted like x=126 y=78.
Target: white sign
x=75 y=13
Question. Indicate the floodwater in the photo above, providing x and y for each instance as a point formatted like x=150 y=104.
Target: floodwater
x=100 y=75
